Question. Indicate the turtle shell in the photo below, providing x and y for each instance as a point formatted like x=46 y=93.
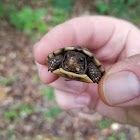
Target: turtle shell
x=75 y=63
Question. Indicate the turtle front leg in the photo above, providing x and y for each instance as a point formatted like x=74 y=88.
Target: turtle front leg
x=54 y=62
x=94 y=72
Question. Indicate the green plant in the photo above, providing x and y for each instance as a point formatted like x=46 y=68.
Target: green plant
x=10 y=133
x=53 y=112
x=11 y=114
x=14 y=112
x=122 y=136
x=102 y=7
x=104 y=124
x=29 y=20
x=36 y=78
x=59 y=16
x=48 y=92
x=120 y=8
x=111 y=138
x=1 y=133
x=27 y=109
x=117 y=136
x=63 y=4
x=6 y=81
x=2 y=10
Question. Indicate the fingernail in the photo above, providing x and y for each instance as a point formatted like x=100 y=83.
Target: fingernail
x=75 y=86
x=121 y=87
x=83 y=100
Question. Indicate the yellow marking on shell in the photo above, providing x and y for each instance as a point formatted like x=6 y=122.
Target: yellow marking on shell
x=69 y=48
x=87 y=53
x=47 y=60
x=101 y=69
x=58 y=51
x=96 y=61
x=51 y=55
x=73 y=76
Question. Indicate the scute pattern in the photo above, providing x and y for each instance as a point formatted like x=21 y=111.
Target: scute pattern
x=95 y=69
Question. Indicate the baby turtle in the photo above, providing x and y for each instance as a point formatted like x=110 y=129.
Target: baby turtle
x=75 y=63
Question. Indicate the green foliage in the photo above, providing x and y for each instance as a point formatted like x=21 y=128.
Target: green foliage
x=122 y=136
x=48 y=92
x=29 y=20
x=59 y=16
x=120 y=8
x=111 y=138
x=10 y=133
x=14 y=112
x=131 y=2
x=36 y=78
x=117 y=136
x=53 y=112
x=6 y=81
x=63 y=4
x=104 y=124
x=27 y=109
x=102 y=7
x=10 y=114
x=2 y=10
x=1 y=133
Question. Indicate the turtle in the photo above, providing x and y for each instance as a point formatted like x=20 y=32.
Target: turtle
x=75 y=63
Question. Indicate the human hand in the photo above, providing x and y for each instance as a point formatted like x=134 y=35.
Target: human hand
x=113 y=41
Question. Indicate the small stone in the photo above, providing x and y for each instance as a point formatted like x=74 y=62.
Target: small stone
x=115 y=126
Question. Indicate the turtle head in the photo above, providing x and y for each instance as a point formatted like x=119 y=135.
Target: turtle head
x=75 y=62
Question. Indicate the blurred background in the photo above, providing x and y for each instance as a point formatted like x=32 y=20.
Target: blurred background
x=28 y=110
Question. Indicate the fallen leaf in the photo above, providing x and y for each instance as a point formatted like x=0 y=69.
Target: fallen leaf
x=2 y=94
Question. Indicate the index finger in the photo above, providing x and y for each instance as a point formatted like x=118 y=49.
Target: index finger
x=92 y=32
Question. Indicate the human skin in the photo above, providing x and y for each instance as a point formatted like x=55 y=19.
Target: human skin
x=116 y=43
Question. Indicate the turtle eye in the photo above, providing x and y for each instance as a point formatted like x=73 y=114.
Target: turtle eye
x=81 y=60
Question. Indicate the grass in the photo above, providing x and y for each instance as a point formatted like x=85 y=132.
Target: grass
x=10 y=133
x=48 y=92
x=8 y=80
x=117 y=136
x=29 y=20
x=129 y=9
x=15 y=111
x=53 y=111
x=105 y=124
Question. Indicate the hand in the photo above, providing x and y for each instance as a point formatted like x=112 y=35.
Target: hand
x=113 y=41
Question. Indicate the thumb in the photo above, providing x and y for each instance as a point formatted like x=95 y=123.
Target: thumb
x=121 y=84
